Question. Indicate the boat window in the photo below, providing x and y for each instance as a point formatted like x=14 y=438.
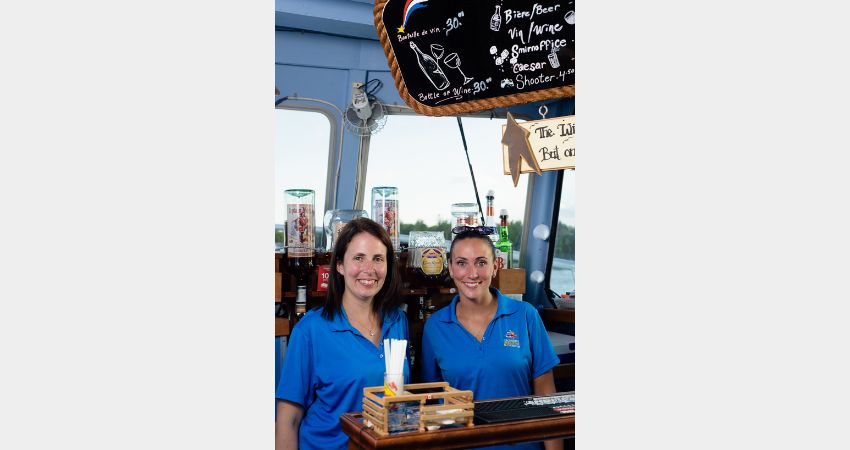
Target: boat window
x=562 y=273
x=300 y=161
x=424 y=158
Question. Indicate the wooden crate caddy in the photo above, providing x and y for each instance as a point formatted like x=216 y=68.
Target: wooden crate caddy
x=375 y=408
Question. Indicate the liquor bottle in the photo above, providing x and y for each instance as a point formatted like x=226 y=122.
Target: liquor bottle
x=300 y=222
x=430 y=68
x=335 y=219
x=465 y=214
x=429 y=309
x=496 y=20
x=385 y=212
x=301 y=302
x=427 y=257
x=300 y=234
x=490 y=217
x=504 y=248
x=302 y=268
x=421 y=308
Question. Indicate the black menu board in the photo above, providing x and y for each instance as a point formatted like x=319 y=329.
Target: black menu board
x=452 y=56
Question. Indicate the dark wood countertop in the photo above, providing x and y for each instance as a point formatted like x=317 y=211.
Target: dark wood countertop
x=531 y=430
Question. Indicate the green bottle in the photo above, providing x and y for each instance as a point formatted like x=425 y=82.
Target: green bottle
x=504 y=248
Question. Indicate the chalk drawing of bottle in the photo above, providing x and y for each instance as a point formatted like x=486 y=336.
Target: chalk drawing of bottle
x=553 y=58
x=496 y=20
x=430 y=68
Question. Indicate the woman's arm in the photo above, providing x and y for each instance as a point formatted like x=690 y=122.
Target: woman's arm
x=288 y=421
x=545 y=384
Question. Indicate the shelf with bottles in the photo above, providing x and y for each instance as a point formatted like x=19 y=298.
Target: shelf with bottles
x=414 y=291
x=414 y=280
x=410 y=280
x=310 y=294
x=508 y=281
x=290 y=311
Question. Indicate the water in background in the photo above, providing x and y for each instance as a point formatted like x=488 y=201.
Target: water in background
x=563 y=276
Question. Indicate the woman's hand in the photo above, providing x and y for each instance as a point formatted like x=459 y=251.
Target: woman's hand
x=545 y=384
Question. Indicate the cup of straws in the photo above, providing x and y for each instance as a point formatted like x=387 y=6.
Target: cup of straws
x=394 y=354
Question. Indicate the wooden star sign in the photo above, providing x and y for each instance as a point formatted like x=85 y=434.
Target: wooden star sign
x=515 y=138
x=553 y=144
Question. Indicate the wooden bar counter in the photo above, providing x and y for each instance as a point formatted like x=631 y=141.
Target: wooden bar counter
x=531 y=430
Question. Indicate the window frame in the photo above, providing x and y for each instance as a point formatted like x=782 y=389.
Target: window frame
x=559 y=188
x=335 y=136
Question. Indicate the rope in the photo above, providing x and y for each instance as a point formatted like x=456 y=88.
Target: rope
x=463 y=107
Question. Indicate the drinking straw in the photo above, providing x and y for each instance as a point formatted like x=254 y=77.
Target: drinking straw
x=394 y=354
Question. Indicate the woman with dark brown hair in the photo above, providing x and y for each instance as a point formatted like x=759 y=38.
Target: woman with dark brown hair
x=483 y=341
x=335 y=351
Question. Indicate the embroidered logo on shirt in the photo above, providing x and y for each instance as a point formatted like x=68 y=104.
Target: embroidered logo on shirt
x=511 y=340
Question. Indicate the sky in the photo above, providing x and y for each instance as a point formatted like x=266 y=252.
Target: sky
x=422 y=156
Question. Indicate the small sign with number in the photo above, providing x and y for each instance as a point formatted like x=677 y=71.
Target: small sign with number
x=323 y=274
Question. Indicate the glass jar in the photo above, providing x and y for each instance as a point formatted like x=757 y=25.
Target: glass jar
x=466 y=214
x=335 y=219
x=385 y=211
x=426 y=256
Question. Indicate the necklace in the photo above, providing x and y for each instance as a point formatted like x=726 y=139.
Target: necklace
x=371 y=330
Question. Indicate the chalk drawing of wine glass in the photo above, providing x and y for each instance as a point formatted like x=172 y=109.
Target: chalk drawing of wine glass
x=453 y=61
x=437 y=51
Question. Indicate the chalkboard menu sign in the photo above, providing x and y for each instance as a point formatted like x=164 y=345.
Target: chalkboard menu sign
x=450 y=56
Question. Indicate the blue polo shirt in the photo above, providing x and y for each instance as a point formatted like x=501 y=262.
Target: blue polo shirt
x=514 y=350
x=326 y=367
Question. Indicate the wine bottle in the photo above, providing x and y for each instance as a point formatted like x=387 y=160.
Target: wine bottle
x=496 y=20
x=504 y=248
x=430 y=68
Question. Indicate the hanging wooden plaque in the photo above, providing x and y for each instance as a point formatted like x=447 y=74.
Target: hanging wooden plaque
x=552 y=144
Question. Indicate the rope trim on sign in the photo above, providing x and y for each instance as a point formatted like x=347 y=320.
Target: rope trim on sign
x=456 y=108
